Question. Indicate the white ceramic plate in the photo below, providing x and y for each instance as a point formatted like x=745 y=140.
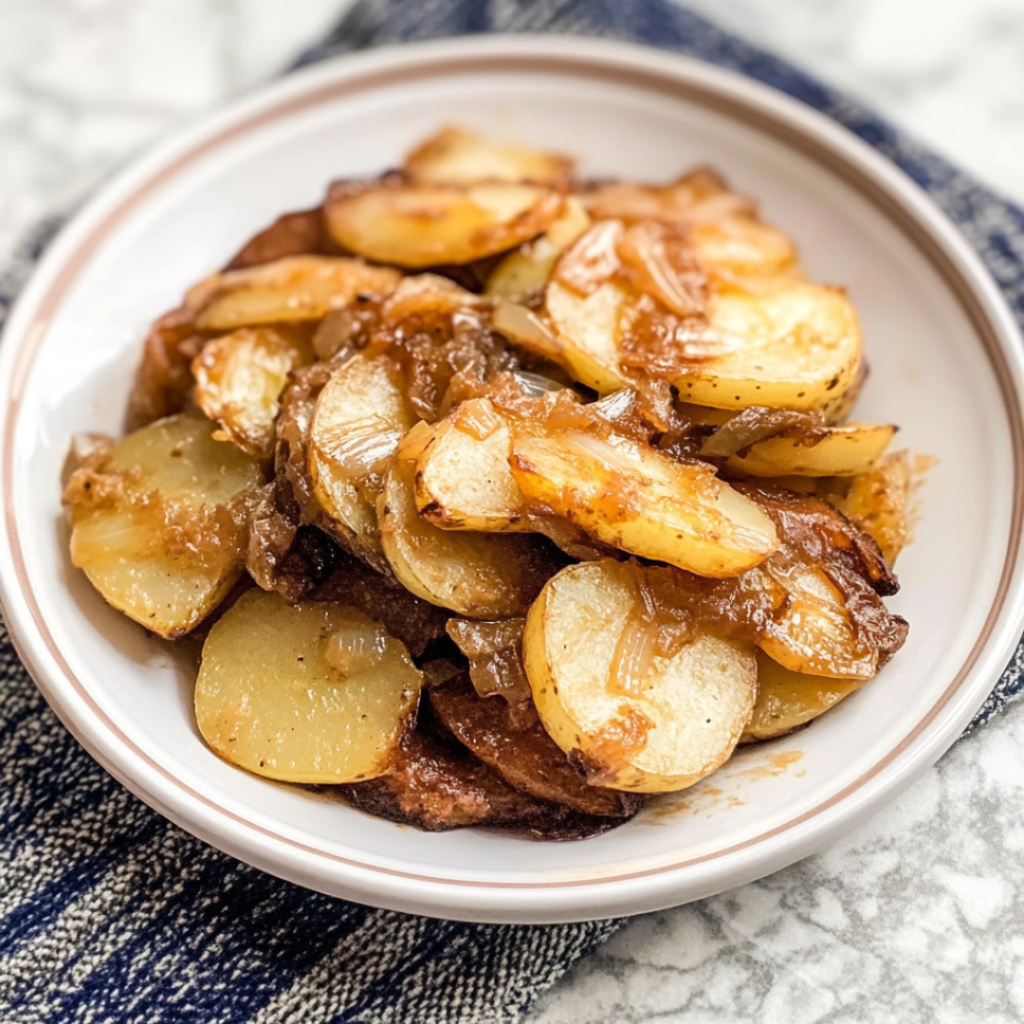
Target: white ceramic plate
x=945 y=361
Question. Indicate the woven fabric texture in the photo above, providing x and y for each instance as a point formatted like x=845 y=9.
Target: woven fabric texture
x=110 y=914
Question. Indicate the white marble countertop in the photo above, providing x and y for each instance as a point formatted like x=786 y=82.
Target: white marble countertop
x=919 y=914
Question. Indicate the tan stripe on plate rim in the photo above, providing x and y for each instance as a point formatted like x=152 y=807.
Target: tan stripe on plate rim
x=694 y=92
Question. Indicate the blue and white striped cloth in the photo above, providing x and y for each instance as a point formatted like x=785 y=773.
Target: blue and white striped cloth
x=110 y=914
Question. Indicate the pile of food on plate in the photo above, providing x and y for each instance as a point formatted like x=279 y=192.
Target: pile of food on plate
x=503 y=497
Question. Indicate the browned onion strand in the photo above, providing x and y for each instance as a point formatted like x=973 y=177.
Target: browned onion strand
x=758 y=423
x=494 y=650
x=661 y=265
x=665 y=266
x=593 y=260
x=478 y=638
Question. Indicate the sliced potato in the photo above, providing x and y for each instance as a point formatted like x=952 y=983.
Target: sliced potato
x=843 y=451
x=587 y=329
x=643 y=501
x=311 y=692
x=786 y=700
x=739 y=247
x=877 y=501
x=455 y=156
x=159 y=523
x=360 y=417
x=424 y=225
x=793 y=345
x=815 y=632
x=840 y=408
x=778 y=341
x=463 y=479
x=728 y=236
x=700 y=195
x=478 y=575
x=163 y=379
x=683 y=721
x=239 y=380
x=289 y=290
x=526 y=271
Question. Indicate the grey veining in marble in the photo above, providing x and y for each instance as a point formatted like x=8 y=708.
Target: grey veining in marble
x=918 y=916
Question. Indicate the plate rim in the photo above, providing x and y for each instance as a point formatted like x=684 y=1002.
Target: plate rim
x=894 y=192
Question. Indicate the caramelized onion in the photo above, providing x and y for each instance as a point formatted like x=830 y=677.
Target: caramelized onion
x=364 y=451
x=494 y=650
x=593 y=260
x=476 y=639
x=535 y=385
x=634 y=654
x=478 y=419
x=758 y=423
x=665 y=266
x=526 y=328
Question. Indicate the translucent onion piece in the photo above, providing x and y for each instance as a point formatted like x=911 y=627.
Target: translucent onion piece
x=478 y=419
x=526 y=328
x=593 y=260
x=535 y=385
x=616 y=405
x=634 y=654
x=355 y=647
x=364 y=449
x=677 y=284
x=698 y=341
x=596 y=447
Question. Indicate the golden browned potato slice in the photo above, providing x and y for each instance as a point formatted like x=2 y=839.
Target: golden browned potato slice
x=463 y=479
x=681 y=722
x=844 y=451
x=526 y=271
x=792 y=345
x=788 y=699
x=159 y=524
x=643 y=501
x=288 y=290
x=726 y=231
x=478 y=575
x=839 y=409
x=740 y=247
x=313 y=693
x=424 y=225
x=360 y=417
x=239 y=380
x=815 y=632
x=877 y=501
x=587 y=330
x=455 y=156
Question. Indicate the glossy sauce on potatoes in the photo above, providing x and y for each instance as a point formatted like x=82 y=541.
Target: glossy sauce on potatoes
x=397 y=424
